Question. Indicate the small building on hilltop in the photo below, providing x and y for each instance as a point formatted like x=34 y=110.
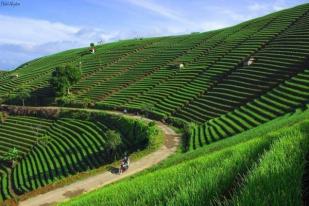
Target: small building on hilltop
x=92 y=48
x=250 y=61
x=13 y=76
x=176 y=65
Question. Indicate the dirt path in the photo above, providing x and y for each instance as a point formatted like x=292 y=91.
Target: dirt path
x=91 y=183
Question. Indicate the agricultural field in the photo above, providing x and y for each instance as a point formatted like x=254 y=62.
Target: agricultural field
x=247 y=169
x=54 y=147
x=237 y=100
x=137 y=75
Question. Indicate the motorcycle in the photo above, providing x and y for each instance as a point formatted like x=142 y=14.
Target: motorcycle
x=123 y=167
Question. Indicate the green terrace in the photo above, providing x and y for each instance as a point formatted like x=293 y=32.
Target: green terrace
x=217 y=88
x=51 y=149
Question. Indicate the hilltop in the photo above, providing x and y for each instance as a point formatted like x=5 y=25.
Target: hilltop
x=212 y=85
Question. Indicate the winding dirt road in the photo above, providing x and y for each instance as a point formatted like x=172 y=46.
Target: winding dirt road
x=52 y=197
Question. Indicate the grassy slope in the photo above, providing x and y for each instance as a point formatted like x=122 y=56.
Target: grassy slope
x=277 y=177
x=215 y=89
x=205 y=176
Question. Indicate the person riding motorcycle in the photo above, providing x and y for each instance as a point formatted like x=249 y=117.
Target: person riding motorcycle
x=124 y=164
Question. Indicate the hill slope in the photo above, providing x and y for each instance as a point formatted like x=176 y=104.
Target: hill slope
x=57 y=144
x=216 y=89
x=217 y=94
x=263 y=166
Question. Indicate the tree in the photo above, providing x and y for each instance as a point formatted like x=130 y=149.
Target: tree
x=113 y=141
x=59 y=81
x=63 y=78
x=92 y=48
x=86 y=102
x=11 y=156
x=22 y=93
x=73 y=74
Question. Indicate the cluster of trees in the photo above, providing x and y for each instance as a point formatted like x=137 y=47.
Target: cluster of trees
x=63 y=78
x=20 y=94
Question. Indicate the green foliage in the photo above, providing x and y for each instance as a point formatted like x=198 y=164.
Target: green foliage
x=63 y=78
x=11 y=155
x=3 y=117
x=182 y=184
x=73 y=74
x=86 y=102
x=146 y=109
x=186 y=135
x=155 y=136
x=208 y=91
x=113 y=140
x=59 y=81
x=22 y=93
x=73 y=142
x=151 y=124
x=277 y=176
x=44 y=140
x=272 y=159
x=66 y=100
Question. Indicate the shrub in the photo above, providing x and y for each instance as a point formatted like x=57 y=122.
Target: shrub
x=11 y=156
x=86 y=102
x=186 y=136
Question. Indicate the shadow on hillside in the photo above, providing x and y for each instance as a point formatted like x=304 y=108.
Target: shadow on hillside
x=39 y=97
x=42 y=96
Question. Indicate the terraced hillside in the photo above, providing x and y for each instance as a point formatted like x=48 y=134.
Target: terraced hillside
x=52 y=149
x=262 y=104
x=217 y=90
x=260 y=167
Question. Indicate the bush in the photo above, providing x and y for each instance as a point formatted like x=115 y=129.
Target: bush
x=66 y=100
x=86 y=102
x=151 y=124
x=186 y=136
x=113 y=139
x=11 y=156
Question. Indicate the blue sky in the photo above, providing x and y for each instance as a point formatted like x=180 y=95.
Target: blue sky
x=33 y=28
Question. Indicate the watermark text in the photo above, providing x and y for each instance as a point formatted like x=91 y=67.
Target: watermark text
x=9 y=3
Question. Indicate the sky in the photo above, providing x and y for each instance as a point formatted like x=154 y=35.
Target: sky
x=34 y=28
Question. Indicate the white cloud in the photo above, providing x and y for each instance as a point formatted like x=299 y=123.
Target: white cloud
x=236 y=16
x=279 y=5
x=254 y=7
x=26 y=38
x=170 y=13
x=32 y=31
x=212 y=25
x=270 y=6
